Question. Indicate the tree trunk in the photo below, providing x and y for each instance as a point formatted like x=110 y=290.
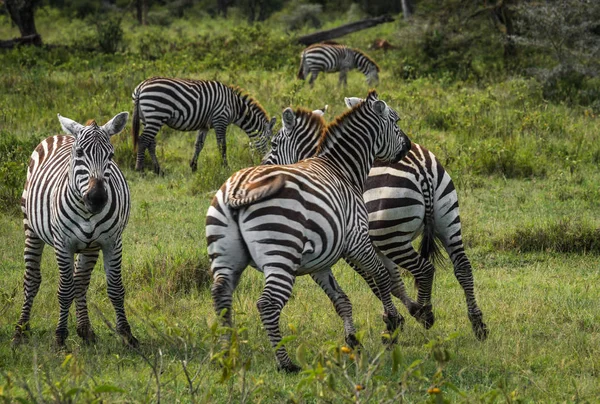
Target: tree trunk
x=141 y=10
x=222 y=7
x=343 y=30
x=407 y=9
x=22 y=14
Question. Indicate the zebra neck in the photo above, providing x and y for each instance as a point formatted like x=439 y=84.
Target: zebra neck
x=248 y=116
x=350 y=153
x=361 y=63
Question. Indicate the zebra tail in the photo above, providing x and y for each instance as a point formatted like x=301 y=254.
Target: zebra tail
x=301 y=75
x=135 y=127
x=430 y=244
x=254 y=191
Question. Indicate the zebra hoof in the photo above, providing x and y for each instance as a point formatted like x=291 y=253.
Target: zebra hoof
x=388 y=338
x=87 y=334
x=61 y=339
x=481 y=331
x=289 y=368
x=21 y=335
x=130 y=341
x=424 y=315
x=353 y=342
x=194 y=167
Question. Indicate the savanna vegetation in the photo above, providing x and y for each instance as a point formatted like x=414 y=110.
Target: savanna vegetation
x=508 y=99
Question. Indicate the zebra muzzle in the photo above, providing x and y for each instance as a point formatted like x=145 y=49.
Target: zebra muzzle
x=96 y=197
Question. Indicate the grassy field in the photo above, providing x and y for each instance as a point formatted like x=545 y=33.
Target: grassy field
x=527 y=177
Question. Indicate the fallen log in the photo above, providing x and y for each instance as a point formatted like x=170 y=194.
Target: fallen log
x=343 y=30
x=34 y=39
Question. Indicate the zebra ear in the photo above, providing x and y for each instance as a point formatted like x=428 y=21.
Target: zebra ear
x=372 y=96
x=117 y=124
x=320 y=112
x=289 y=118
x=69 y=126
x=381 y=109
x=352 y=101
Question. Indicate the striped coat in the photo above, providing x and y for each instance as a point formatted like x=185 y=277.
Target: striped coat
x=195 y=105
x=300 y=219
x=76 y=200
x=333 y=57
x=404 y=199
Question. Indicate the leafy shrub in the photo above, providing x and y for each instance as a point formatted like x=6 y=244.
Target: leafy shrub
x=14 y=158
x=110 y=34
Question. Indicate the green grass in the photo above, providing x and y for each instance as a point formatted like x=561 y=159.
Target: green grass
x=526 y=174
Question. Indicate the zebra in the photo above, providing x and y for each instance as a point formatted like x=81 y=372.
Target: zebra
x=333 y=57
x=413 y=196
x=300 y=219
x=76 y=200
x=191 y=105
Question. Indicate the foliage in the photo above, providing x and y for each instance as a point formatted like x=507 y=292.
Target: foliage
x=300 y=15
x=14 y=158
x=567 y=31
x=110 y=34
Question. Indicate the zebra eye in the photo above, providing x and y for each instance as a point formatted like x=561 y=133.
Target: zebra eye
x=79 y=152
x=110 y=156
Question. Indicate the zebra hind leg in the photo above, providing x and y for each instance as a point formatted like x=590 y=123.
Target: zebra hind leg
x=83 y=272
x=464 y=274
x=342 y=304
x=31 y=283
x=277 y=291
x=313 y=77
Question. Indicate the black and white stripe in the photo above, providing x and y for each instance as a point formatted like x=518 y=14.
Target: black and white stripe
x=331 y=57
x=76 y=200
x=190 y=105
x=300 y=219
x=404 y=199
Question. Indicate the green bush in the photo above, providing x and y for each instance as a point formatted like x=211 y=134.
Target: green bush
x=110 y=34
x=14 y=158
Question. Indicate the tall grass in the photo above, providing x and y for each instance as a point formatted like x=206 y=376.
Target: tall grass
x=526 y=174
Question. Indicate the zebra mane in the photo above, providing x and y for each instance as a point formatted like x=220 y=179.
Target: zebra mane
x=313 y=120
x=339 y=121
x=247 y=98
x=366 y=57
x=91 y=122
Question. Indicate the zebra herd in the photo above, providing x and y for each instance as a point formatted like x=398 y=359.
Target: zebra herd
x=356 y=188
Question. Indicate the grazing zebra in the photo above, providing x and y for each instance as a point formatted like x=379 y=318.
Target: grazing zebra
x=76 y=200
x=300 y=219
x=331 y=57
x=404 y=199
x=195 y=105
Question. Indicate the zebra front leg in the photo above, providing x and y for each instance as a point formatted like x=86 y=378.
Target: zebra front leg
x=423 y=271
x=83 y=272
x=198 y=145
x=342 y=304
x=116 y=292
x=221 y=131
x=343 y=80
x=66 y=290
x=362 y=254
x=34 y=246
x=313 y=77
x=277 y=292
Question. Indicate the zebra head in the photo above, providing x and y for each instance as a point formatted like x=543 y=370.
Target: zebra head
x=90 y=159
x=392 y=144
x=373 y=75
x=298 y=137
